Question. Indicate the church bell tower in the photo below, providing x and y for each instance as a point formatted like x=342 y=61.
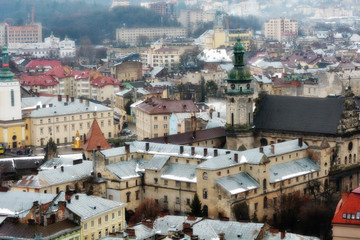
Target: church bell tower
x=239 y=102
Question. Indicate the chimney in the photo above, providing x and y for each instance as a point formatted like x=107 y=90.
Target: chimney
x=87 y=102
x=215 y=152
x=69 y=200
x=67 y=98
x=218 y=114
x=272 y=148
x=72 y=99
x=261 y=149
x=81 y=100
x=181 y=149
x=59 y=98
x=236 y=158
x=127 y=148
x=222 y=236
x=62 y=168
x=191 y=218
x=205 y=152
x=130 y=232
x=300 y=141
x=211 y=112
x=84 y=138
x=147 y=146
x=283 y=234
x=77 y=197
x=192 y=150
x=55 y=167
x=98 y=147
x=186 y=225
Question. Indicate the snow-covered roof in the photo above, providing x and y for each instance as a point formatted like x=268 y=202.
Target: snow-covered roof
x=87 y=207
x=127 y=169
x=214 y=55
x=284 y=171
x=238 y=183
x=180 y=172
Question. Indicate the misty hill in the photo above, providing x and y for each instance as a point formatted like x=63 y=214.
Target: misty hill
x=78 y=19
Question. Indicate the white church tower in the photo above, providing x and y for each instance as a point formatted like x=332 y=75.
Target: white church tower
x=10 y=99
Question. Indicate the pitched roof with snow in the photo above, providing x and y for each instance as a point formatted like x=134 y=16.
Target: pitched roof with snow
x=238 y=183
x=35 y=64
x=88 y=207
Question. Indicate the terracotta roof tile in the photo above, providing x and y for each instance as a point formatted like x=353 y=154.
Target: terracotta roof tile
x=95 y=138
x=348 y=210
x=33 y=64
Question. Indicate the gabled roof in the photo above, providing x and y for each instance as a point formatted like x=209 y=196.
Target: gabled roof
x=299 y=114
x=95 y=138
x=51 y=177
x=296 y=168
x=14 y=203
x=348 y=210
x=34 y=64
x=238 y=183
x=210 y=229
x=157 y=162
x=127 y=169
x=165 y=106
x=180 y=172
x=88 y=207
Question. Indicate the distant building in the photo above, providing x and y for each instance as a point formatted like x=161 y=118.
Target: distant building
x=165 y=9
x=119 y=3
x=31 y=33
x=153 y=116
x=278 y=28
x=132 y=35
x=52 y=47
x=161 y=57
x=192 y=19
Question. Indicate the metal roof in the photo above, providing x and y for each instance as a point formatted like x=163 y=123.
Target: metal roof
x=62 y=160
x=210 y=229
x=14 y=203
x=157 y=162
x=162 y=224
x=126 y=169
x=91 y=206
x=292 y=169
x=238 y=183
x=180 y=172
x=56 y=176
x=56 y=108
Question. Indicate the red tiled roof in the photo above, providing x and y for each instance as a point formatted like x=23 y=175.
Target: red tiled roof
x=102 y=81
x=163 y=106
x=95 y=138
x=60 y=72
x=33 y=64
x=40 y=80
x=348 y=209
x=80 y=74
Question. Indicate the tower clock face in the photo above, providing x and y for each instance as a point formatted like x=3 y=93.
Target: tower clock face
x=232 y=86
x=248 y=86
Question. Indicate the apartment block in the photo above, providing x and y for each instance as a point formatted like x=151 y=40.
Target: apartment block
x=132 y=35
x=277 y=29
x=31 y=33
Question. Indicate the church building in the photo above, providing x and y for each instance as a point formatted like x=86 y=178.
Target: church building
x=12 y=127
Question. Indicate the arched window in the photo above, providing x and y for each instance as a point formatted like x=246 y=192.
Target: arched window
x=265 y=202
x=263 y=142
x=205 y=175
x=205 y=194
x=99 y=175
x=354 y=158
x=345 y=160
x=205 y=211
x=264 y=184
x=350 y=158
x=128 y=196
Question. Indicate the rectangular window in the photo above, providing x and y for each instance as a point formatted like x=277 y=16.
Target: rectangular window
x=92 y=224
x=165 y=126
x=85 y=226
x=113 y=216
x=12 y=98
x=155 y=126
x=177 y=200
x=119 y=214
x=99 y=221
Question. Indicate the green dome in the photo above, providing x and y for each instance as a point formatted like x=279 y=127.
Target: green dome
x=239 y=47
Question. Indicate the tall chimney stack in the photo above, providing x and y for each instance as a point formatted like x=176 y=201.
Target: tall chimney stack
x=261 y=149
x=215 y=152
x=192 y=150
x=59 y=98
x=181 y=149
x=236 y=158
x=127 y=148
x=147 y=146
x=300 y=141
x=272 y=148
x=205 y=152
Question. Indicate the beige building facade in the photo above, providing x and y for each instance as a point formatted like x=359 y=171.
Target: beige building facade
x=131 y=35
x=278 y=28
